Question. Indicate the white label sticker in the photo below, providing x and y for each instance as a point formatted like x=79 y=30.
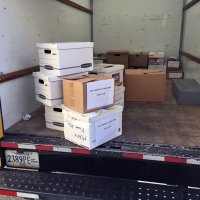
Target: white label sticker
x=173 y=64
x=106 y=127
x=175 y=75
x=100 y=93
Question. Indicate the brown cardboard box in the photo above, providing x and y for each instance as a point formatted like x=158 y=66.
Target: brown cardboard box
x=88 y=93
x=118 y=57
x=145 y=85
x=138 y=60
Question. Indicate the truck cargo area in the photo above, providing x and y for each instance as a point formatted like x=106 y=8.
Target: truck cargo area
x=156 y=123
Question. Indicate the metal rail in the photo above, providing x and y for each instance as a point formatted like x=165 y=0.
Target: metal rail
x=18 y=74
x=190 y=4
x=77 y=6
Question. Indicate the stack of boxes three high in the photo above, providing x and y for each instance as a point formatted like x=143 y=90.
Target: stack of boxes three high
x=84 y=101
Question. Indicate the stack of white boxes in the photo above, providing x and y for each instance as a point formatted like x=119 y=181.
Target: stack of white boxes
x=117 y=72
x=63 y=64
x=58 y=61
x=156 y=61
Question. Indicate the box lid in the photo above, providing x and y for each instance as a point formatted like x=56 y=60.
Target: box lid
x=143 y=71
x=52 y=78
x=88 y=78
x=93 y=116
x=118 y=52
x=65 y=45
x=107 y=68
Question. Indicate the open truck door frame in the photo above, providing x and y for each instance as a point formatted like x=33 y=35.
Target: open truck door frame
x=116 y=170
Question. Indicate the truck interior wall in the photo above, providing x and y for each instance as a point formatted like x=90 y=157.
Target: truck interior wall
x=191 y=42
x=24 y=23
x=137 y=25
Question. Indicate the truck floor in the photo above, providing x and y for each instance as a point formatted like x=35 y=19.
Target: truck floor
x=157 y=123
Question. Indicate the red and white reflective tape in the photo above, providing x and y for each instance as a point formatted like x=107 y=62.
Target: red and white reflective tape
x=161 y=158
x=19 y=194
x=44 y=148
x=138 y=156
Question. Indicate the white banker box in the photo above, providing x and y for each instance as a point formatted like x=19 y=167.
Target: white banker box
x=54 y=117
x=65 y=58
x=93 y=129
x=55 y=111
x=54 y=123
x=119 y=94
x=120 y=102
x=113 y=70
x=49 y=88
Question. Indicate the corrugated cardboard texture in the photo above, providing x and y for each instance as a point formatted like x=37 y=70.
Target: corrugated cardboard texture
x=138 y=59
x=118 y=57
x=75 y=92
x=73 y=95
x=145 y=85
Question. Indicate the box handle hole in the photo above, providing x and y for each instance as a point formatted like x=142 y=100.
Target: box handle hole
x=47 y=51
x=57 y=109
x=48 y=67
x=41 y=81
x=42 y=96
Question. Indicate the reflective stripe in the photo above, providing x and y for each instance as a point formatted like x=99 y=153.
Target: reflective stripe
x=62 y=149
x=157 y=158
x=26 y=195
x=193 y=161
x=26 y=146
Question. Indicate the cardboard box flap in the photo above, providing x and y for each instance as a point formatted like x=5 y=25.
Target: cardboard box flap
x=88 y=78
x=144 y=71
x=102 y=68
x=118 y=52
x=92 y=116
x=65 y=45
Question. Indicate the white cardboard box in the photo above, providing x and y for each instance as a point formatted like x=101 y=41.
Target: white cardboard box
x=65 y=58
x=119 y=96
x=55 y=123
x=49 y=89
x=54 y=117
x=119 y=90
x=55 y=111
x=120 y=102
x=93 y=129
x=113 y=70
